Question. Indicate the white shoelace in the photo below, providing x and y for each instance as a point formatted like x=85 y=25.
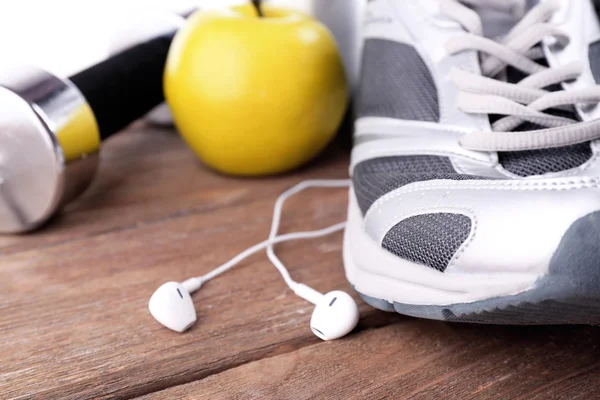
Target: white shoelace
x=525 y=100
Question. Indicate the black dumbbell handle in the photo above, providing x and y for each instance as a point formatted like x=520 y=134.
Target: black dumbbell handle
x=126 y=86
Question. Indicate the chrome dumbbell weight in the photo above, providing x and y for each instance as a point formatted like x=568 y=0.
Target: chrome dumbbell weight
x=51 y=128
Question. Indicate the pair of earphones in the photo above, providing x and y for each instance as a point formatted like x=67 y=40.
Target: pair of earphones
x=335 y=313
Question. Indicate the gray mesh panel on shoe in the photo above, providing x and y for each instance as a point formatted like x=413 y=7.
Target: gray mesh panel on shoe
x=376 y=177
x=428 y=239
x=396 y=83
x=594 y=57
x=538 y=162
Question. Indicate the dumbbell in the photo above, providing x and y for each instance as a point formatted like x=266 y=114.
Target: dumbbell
x=142 y=27
x=51 y=128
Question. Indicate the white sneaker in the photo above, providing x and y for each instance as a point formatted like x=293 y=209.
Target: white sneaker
x=476 y=178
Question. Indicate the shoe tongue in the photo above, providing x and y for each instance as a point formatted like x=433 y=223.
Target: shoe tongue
x=498 y=22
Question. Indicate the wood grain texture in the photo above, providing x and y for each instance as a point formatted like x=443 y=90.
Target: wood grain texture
x=419 y=360
x=73 y=298
x=148 y=175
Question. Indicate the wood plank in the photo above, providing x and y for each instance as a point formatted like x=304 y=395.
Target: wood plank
x=146 y=174
x=420 y=360
x=73 y=298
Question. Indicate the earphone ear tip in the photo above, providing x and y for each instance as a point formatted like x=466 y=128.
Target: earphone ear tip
x=172 y=306
x=334 y=316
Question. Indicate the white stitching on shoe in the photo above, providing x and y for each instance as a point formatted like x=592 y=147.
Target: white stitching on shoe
x=524 y=185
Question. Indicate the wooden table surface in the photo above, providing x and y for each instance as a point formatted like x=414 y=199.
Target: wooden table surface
x=73 y=301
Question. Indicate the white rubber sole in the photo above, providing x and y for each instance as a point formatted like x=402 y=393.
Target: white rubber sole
x=376 y=273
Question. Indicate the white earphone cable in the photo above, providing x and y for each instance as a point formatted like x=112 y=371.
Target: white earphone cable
x=277 y=212
x=303 y=291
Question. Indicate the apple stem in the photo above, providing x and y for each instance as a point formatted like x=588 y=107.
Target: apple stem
x=257 y=5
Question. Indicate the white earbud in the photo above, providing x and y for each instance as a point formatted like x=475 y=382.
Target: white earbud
x=172 y=306
x=334 y=316
x=335 y=313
